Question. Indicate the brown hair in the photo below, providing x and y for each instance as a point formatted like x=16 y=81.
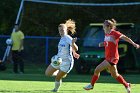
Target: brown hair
x=71 y=26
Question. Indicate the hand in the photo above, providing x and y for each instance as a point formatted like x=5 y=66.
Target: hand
x=136 y=45
x=76 y=55
x=101 y=44
x=74 y=40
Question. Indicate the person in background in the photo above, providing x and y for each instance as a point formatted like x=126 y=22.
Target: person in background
x=66 y=50
x=111 y=54
x=17 y=50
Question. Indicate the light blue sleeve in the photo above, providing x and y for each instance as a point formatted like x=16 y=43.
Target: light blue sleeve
x=68 y=39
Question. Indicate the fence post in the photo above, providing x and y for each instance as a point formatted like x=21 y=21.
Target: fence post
x=47 y=47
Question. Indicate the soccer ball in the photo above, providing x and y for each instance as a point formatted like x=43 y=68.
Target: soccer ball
x=56 y=60
x=9 y=42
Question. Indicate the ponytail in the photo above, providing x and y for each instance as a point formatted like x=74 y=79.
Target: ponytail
x=71 y=26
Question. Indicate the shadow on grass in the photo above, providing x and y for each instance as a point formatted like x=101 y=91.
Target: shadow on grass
x=134 y=79
x=36 y=73
x=33 y=91
x=40 y=91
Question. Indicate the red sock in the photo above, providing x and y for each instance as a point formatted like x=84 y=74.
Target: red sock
x=122 y=81
x=94 y=79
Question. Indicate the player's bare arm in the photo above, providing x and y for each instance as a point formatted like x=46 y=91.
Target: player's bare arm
x=125 y=38
x=74 y=46
x=101 y=44
x=76 y=55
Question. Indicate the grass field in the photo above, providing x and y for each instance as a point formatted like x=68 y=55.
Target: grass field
x=36 y=82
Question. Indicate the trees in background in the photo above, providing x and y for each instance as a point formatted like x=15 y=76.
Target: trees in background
x=43 y=19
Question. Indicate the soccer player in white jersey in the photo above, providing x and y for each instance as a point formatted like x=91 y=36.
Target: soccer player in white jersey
x=66 y=50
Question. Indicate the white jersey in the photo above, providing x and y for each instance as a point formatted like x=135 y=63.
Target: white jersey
x=65 y=52
x=64 y=47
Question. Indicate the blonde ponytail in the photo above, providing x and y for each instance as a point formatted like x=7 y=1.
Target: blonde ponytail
x=71 y=26
x=114 y=23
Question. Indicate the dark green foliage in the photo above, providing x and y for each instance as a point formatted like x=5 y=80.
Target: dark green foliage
x=42 y=19
x=8 y=12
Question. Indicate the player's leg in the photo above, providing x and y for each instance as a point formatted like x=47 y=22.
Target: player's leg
x=58 y=80
x=15 y=61
x=65 y=68
x=50 y=70
x=2 y=66
x=96 y=75
x=21 y=62
x=119 y=78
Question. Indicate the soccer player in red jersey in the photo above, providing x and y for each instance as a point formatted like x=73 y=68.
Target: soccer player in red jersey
x=111 y=54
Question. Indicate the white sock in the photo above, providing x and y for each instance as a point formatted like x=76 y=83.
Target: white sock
x=57 y=84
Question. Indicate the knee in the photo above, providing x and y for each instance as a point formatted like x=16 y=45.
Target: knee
x=96 y=71
x=57 y=78
x=114 y=75
x=47 y=73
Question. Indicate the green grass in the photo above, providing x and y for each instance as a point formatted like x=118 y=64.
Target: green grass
x=34 y=81
x=73 y=83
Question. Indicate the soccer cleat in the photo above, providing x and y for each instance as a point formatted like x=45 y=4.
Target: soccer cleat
x=54 y=90
x=88 y=87
x=128 y=88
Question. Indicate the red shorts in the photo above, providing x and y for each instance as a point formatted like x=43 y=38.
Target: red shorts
x=112 y=61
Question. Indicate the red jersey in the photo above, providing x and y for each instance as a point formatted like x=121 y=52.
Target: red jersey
x=111 y=46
